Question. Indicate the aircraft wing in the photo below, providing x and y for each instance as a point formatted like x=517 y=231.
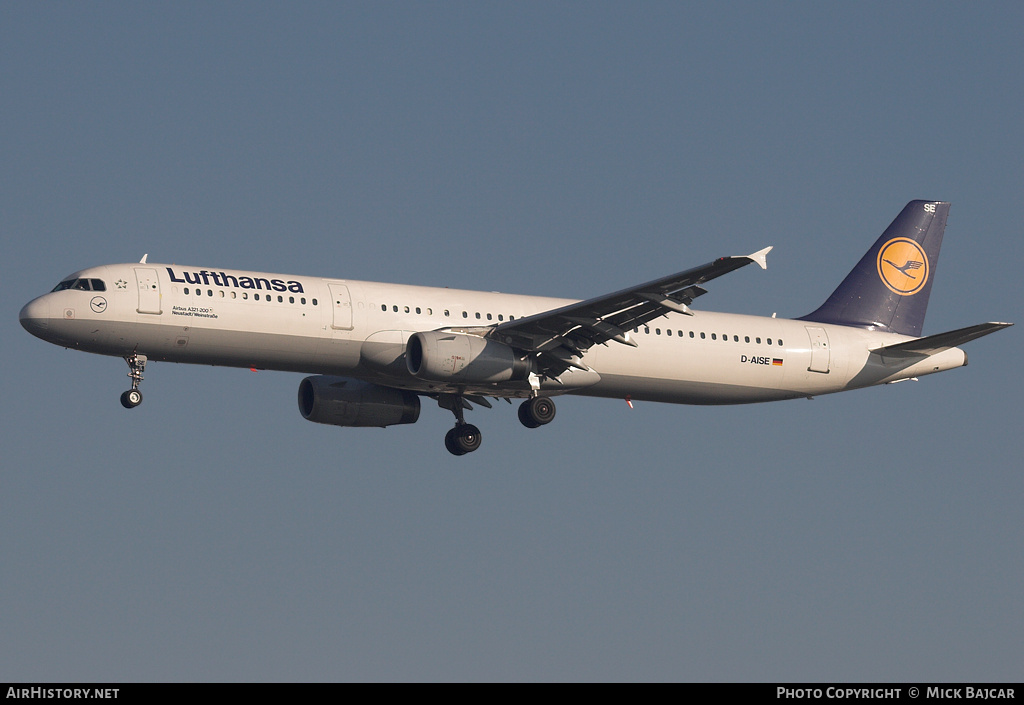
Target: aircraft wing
x=559 y=337
x=929 y=345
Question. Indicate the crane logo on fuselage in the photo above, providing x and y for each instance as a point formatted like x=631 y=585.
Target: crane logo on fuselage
x=903 y=266
x=204 y=278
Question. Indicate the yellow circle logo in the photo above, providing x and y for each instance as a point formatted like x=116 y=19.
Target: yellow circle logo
x=903 y=266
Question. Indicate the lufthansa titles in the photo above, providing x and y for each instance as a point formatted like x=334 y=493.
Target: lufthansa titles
x=206 y=277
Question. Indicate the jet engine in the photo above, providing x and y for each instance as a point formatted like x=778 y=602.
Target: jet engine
x=468 y=359
x=341 y=401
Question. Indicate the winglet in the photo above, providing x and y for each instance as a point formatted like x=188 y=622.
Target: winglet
x=761 y=257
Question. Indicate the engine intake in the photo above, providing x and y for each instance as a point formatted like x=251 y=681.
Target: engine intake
x=457 y=357
x=341 y=401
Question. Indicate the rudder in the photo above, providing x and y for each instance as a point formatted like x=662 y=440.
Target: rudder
x=889 y=288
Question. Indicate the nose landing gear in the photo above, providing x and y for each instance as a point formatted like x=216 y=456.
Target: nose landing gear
x=136 y=365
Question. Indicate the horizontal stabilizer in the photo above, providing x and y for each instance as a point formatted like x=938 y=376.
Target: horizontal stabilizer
x=923 y=347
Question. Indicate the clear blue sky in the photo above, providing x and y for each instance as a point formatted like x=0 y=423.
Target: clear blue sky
x=564 y=149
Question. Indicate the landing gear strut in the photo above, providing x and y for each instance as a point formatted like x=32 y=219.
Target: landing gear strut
x=465 y=437
x=136 y=365
x=536 y=412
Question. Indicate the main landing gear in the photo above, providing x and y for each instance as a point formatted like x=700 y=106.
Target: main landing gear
x=465 y=437
x=536 y=412
x=136 y=365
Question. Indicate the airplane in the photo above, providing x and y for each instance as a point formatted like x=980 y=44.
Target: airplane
x=375 y=350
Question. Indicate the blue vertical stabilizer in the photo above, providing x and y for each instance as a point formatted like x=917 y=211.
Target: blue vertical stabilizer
x=889 y=288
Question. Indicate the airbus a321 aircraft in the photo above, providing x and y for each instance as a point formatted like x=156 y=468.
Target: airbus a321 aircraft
x=377 y=349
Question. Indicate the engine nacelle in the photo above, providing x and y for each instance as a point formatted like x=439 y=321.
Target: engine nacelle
x=341 y=401
x=469 y=359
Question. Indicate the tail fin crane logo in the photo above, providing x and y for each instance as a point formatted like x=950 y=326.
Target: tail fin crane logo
x=906 y=266
x=903 y=266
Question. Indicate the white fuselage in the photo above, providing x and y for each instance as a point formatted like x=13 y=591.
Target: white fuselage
x=360 y=329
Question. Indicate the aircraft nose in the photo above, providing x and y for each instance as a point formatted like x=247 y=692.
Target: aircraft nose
x=35 y=315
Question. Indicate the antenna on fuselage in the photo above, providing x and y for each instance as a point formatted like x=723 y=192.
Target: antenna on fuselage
x=143 y=260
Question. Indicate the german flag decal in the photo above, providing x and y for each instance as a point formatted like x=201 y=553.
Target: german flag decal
x=777 y=362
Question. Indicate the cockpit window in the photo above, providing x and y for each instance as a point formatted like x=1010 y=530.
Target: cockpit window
x=81 y=285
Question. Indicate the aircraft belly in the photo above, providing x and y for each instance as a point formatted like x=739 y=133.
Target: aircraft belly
x=679 y=391
x=210 y=346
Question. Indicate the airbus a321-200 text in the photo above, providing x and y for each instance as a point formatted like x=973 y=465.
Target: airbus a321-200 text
x=376 y=350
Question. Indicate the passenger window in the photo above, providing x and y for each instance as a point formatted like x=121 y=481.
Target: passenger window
x=478 y=315
x=446 y=313
x=314 y=302
x=714 y=337
x=647 y=330
x=280 y=299
x=780 y=341
x=256 y=296
x=758 y=340
x=209 y=292
x=186 y=289
x=291 y=299
x=395 y=309
x=417 y=309
x=501 y=317
x=465 y=314
x=769 y=341
x=383 y=307
x=303 y=300
x=488 y=316
x=668 y=331
x=691 y=333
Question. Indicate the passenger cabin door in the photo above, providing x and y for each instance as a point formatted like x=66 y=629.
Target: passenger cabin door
x=149 y=290
x=820 y=354
x=341 y=305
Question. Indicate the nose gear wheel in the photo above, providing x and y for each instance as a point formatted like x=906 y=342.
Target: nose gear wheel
x=136 y=366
